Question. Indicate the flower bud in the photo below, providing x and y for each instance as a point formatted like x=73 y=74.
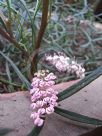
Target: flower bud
x=41 y=111
x=49 y=110
x=38 y=122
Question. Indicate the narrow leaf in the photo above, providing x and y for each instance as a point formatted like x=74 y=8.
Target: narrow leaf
x=21 y=76
x=9 y=76
x=3 y=23
x=9 y=9
x=2 y=80
x=3 y=4
x=31 y=20
x=77 y=117
x=36 y=9
x=35 y=131
x=9 y=22
x=3 y=20
x=4 y=131
x=10 y=39
x=81 y=84
x=25 y=6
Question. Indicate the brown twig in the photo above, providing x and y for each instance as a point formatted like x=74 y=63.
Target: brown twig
x=7 y=36
x=7 y=23
x=10 y=39
x=9 y=28
x=40 y=35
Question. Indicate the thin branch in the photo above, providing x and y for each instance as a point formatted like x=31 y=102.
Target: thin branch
x=40 y=35
x=9 y=83
x=9 y=38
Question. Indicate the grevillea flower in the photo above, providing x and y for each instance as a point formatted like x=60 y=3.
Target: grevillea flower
x=43 y=96
x=64 y=64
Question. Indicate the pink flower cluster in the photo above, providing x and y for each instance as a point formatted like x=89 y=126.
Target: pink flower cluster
x=43 y=96
x=64 y=64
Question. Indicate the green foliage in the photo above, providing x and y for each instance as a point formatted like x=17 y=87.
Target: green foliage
x=23 y=79
x=21 y=20
x=18 y=20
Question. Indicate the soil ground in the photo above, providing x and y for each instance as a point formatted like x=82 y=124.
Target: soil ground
x=15 y=111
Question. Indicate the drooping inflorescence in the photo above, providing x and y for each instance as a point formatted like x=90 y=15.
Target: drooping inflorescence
x=43 y=96
x=64 y=64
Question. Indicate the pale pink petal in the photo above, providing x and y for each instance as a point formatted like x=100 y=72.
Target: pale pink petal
x=33 y=106
x=35 y=79
x=46 y=100
x=41 y=83
x=34 y=115
x=33 y=98
x=37 y=94
x=33 y=90
x=49 y=83
x=50 y=90
x=43 y=93
x=55 y=92
x=74 y=67
x=41 y=111
x=39 y=104
x=54 y=97
x=50 y=76
x=49 y=110
x=34 y=84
